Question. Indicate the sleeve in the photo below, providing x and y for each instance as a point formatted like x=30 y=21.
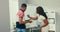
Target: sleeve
x=20 y=14
x=42 y=17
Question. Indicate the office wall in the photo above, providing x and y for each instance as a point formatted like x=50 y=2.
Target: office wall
x=4 y=16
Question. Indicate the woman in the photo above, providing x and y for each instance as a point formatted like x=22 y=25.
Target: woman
x=41 y=15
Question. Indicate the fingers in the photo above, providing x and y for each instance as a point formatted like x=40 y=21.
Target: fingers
x=30 y=21
x=28 y=16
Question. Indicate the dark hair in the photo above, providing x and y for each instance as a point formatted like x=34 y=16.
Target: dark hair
x=40 y=11
x=24 y=5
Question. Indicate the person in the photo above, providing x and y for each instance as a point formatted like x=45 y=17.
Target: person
x=20 y=25
x=41 y=16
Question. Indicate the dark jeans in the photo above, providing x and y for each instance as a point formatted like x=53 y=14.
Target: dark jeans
x=20 y=26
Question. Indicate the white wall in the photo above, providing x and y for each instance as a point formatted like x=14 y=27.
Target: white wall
x=13 y=8
x=21 y=1
x=50 y=4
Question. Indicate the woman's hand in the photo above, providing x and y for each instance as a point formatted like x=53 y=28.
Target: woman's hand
x=28 y=16
x=34 y=18
x=39 y=28
x=28 y=21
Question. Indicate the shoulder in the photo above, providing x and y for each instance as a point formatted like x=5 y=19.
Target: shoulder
x=42 y=17
x=20 y=11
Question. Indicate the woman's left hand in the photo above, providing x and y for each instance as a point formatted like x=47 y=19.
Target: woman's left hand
x=39 y=28
x=28 y=16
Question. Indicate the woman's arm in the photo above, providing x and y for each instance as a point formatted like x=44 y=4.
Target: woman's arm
x=24 y=22
x=45 y=23
x=34 y=18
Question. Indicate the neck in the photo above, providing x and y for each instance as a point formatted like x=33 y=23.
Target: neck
x=22 y=10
